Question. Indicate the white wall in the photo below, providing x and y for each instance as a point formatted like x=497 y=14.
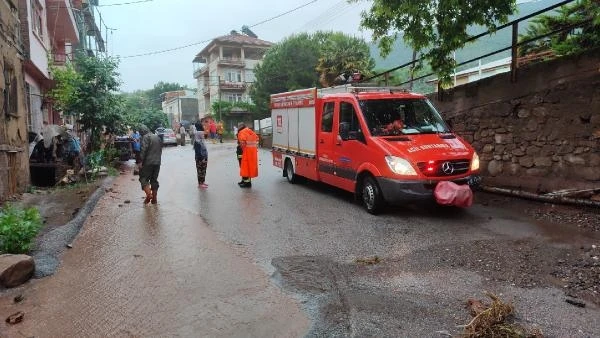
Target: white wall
x=39 y=45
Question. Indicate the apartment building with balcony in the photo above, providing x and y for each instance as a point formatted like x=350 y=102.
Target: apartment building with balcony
x=224 y=69
x=51 y=31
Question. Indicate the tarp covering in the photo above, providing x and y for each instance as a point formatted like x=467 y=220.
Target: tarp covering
x=450 y=193
x=49 y=132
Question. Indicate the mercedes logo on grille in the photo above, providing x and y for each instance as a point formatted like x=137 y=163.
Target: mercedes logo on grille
x=447 y=168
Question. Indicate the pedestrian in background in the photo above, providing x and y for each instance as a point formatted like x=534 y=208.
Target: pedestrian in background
x=136 y=146
x=182 y=134
x=220 y=131
x=213 y=131
x=150 y=156
x=248 y=142
x=193 y=131
x=201 y=156
x=239 y=152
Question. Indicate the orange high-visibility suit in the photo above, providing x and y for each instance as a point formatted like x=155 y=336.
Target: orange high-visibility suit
x=249 y=142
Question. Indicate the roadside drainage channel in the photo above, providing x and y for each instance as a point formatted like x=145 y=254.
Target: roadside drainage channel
x=51 y=245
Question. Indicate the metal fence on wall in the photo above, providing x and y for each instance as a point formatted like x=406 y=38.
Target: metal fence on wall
x=510 y=51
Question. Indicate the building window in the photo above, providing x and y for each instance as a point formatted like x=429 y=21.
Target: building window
x=250 y=76
x=10 y=92
x=234 y=97
x=37 y=18
x=233 y=76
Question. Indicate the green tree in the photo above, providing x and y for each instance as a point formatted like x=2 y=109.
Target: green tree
x=433 y=28
x=569 y=40
x=154 y=94
x=299 y=61
x=88 y=92
x=287 y=65
x=138 y=109
x=341 y=54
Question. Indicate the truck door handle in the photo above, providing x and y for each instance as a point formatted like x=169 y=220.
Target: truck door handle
x=322 y=141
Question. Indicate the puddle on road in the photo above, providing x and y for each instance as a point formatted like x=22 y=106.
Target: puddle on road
x=340 y=305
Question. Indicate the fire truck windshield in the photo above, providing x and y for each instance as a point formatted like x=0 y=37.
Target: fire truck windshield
x=388 y=117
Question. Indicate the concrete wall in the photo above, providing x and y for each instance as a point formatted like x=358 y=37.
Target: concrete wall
x=14 y=154
x=539 y=133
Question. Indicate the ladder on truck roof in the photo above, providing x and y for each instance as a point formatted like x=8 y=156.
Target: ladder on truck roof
x=357 y=90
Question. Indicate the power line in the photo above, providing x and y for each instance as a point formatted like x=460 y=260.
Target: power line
x=165 y=50
x=125 y=3
x=284 y=13
x=208 y=40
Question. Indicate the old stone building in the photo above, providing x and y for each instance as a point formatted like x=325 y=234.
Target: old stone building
x=14 y=153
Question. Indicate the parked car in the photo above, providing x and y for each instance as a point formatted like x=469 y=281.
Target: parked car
x=168 y=136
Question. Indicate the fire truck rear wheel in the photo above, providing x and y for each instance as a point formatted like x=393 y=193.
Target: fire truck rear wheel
x=289 y=172
x=371 y=196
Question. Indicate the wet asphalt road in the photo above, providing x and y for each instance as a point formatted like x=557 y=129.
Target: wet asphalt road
x=281 y=260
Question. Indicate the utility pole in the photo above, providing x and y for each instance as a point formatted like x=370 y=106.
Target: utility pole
x=219 y=94
x=412 y=69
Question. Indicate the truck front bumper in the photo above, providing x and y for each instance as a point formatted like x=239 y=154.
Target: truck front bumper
x=398 y=191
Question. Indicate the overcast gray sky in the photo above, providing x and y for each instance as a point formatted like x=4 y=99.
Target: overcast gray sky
x=146 y=26
x=164 y=24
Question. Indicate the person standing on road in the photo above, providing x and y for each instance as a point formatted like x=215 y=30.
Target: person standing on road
x=248 y=141
x=213 y=131
x=201 y=156
x=182 y=134
x=220 y=131
x=192 y=132
x=150 y=156
x=136 y=139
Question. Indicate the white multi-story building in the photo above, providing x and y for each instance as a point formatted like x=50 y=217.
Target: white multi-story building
x=224 y=69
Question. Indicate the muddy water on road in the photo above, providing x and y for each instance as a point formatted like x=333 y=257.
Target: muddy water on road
x=154 y=270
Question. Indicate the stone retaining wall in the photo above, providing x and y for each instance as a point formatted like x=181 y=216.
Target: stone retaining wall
x=540 y=133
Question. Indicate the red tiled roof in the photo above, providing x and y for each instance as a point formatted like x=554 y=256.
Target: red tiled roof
x=234 y=39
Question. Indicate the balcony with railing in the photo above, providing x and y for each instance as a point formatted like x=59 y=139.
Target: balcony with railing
x=62 y=25
x=60 y=59
x=200 y=71
x=227 y=85
x=231 y=61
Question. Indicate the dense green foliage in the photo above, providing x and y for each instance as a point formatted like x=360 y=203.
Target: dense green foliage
x=18 y=228
x=139 y=109
x=433 y=28
x=570 y=40
x=308 y=60
x=144 y=106
x=154 y=95
x=88 y=92
x=221 y=110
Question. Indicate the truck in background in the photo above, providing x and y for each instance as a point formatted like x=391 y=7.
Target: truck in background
x=385 y=145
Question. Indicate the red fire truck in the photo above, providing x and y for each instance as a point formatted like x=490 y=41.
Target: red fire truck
x=383 y=144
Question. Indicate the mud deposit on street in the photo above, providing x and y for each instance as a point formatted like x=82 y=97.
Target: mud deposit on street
x=58 y=206
x=423 y=293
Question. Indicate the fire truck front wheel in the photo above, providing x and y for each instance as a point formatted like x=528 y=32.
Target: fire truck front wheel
x=372 y=198
x=289 y=171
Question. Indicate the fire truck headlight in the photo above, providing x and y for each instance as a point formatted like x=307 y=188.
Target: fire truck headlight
x=400 y=166
x=475 y=162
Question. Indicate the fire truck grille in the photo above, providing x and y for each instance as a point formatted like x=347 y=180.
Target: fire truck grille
x=444 y=168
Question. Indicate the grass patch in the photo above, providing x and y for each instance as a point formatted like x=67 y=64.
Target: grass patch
x=18 y=228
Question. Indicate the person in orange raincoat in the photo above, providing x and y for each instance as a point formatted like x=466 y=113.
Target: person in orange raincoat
x=248 y=141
